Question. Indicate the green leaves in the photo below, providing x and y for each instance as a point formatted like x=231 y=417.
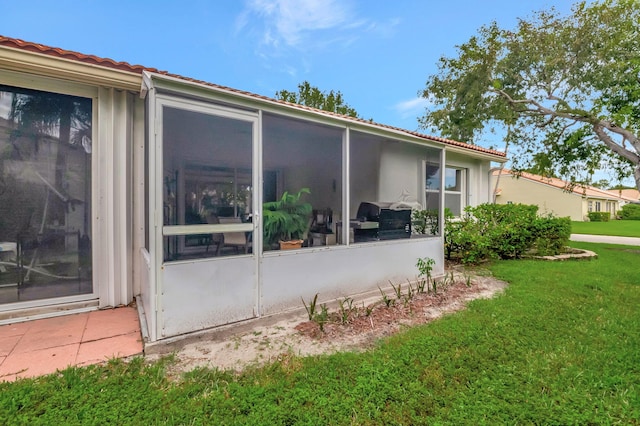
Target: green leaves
x=286 y=218
x=504 y=231
x=313 y=97
x=548 y=79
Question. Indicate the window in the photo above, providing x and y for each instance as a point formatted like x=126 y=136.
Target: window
x=45 y=194
x=454 y=187
x=598 y=208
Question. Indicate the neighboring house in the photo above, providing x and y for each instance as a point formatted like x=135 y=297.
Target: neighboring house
x=629 y=194
x=556 y=196
x=119 y=181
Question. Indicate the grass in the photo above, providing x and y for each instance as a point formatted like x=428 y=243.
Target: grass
x=559 y=347
x=619 y=228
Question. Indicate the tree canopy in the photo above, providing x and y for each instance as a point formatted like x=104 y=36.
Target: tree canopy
x=563 y=90
x=313 y=97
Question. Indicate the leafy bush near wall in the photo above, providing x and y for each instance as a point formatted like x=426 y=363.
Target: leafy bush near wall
x=598 y=216
x=504 y=231
x=630 y=212
x=426 y=221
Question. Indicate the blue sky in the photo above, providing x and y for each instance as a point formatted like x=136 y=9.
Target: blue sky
x=377 y=53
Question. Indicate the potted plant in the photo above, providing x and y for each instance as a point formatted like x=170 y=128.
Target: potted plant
x=286 y=220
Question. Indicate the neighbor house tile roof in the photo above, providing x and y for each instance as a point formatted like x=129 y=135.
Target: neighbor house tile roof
x=582 y=190
x=138 y=69
x=632 y=194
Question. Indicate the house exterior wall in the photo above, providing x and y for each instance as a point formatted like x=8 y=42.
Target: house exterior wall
x=547 y=198
x=401 y=172
x=343 y=271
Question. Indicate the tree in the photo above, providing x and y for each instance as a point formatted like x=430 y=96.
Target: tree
x=602 y=184
x=563 y=90
x=315 y=98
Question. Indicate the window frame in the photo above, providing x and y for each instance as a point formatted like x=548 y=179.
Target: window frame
x=461 y=175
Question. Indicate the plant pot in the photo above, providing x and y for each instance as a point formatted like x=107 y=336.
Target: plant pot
x=290 y=245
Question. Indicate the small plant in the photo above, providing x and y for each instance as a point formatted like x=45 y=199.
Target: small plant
x=287 y=218
x=425 y=266
x=311 y=309
x=397 y=290
x=387 y=301
x=346 y=308
x=410 y=290
x=451 y=281
x=323 y=317
x=467 y=280
x=369 y=309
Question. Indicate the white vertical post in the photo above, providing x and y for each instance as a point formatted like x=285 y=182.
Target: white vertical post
x=346 y=186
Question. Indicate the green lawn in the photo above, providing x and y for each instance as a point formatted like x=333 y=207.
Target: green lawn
x=559 y=347
x=620 y=228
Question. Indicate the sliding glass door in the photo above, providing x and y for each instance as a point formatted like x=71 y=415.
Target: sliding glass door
x=45 y=195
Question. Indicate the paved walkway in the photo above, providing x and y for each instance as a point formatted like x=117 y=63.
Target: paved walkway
x=35 y=348
x=608 y=239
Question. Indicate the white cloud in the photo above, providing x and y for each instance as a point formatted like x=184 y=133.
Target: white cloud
x=307 y=24
x=412 y=107
x=289 y=22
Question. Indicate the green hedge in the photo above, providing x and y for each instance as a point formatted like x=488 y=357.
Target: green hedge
x=598 y=216
x=552 y=234
x=630 y=212
x=504 y=231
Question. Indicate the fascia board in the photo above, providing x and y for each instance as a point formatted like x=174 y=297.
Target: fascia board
x=67 y=69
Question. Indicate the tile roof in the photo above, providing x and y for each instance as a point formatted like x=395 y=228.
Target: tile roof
x=138 y=69
x=582 y=190
x=633 y=194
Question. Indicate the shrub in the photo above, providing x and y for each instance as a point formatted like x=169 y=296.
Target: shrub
x=552 y=235
x=504 y=231
x=426 y=221
x=598 y=216
x=630 y=212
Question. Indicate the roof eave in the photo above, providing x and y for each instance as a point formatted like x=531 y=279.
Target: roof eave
x=15 y=59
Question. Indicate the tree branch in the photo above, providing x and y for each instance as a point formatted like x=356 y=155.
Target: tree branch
x=599 y=125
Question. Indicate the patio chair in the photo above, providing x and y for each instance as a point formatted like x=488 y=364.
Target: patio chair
x=214 y=239
x=237 y=240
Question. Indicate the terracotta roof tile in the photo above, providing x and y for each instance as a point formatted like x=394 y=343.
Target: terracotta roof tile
x=68 y=54
x=138 y=69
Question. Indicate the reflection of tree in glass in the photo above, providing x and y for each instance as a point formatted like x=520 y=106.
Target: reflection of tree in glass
x=42 y=129
x=41 y=115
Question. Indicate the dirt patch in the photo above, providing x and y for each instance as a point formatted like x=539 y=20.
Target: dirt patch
x=354 y=327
